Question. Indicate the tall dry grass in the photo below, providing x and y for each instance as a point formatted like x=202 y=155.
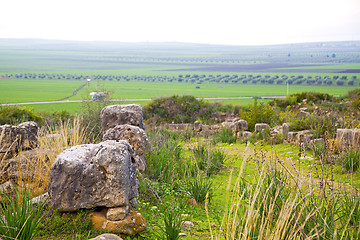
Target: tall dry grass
x=283 y=203
x=33 y=170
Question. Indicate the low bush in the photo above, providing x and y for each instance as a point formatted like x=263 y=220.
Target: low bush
x=294 y=99
x=166 y=163
x=260 y=113
x=15 y=115
x=224 y=136
x=19 y=217
x=184 y=109
x=200 y=189
x=351 y=160
x=172 y=225
x=209 y=161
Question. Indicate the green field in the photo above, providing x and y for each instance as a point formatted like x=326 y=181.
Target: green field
x=15 y=90
x=22 y=90
x=92 y=59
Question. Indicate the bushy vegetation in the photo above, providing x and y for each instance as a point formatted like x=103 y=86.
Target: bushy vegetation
x=15 y=115
x=225 y=135
x=19 y=217
x=183 y=109
x=294 y=99
x=260 y=113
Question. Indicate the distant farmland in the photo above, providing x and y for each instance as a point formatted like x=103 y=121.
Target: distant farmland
x=40 y=70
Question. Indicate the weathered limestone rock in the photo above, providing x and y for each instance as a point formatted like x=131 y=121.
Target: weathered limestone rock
x=15 y=138
x=231 y=120
x=40 y=199
x=304 y=114
x=302 y=136
x=7 y=187
x=8 y=140
x=180 y=127
x=187 y=224
x=259 y=127
x=291 y=136
x=243 y=134
x=114 y=115
x=134 y=223
x=107 y=236
x=317 y=144
x=117 y=214
x=356 y=137
x=93 y=175
x=228 y=124
x=24 y=165
x=285 y=130
x=27 y=132
x=242 y=125
x=277 y=130
x=136 y=137
x=197 y=126
x=348 y=137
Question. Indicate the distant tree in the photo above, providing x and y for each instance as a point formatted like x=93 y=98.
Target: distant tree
x=339 y=82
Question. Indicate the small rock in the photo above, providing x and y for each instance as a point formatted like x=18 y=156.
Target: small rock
x=136 y=137
x=187 y=224
x=192 y=202
x=114 y=115
x=182 y=234
x=212 y=224
x=154 y=208
x=260 y=127
x=7 y=187
x=117 y=213
x=107 y=236
x=133 y=223
x=40 y=199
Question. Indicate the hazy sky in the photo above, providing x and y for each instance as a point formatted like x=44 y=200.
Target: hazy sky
x=237 y=22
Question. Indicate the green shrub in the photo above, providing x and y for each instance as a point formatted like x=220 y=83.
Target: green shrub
x=177 y=109
x=320 y=124
x=19 y=217
x=225 y=136
x=162 y=164
x=166 y=162
x=172 y=224
x=200 y=189
x=210 y=164
x=351 y=160
x=15 y=114
x=183 y=109
x=260 y=113
x=350 y=208
x=293 y=99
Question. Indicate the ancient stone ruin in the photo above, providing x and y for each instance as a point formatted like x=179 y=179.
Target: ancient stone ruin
x=16 y=138
x=103 y=176
x=94 y=175
x=348 y=138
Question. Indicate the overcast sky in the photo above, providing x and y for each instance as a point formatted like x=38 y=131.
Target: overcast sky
x=236 y=22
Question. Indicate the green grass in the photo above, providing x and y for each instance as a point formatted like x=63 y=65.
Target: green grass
x=22 y=90
x=14 y=90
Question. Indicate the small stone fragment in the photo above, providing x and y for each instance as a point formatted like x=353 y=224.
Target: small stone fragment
x=117 y=213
